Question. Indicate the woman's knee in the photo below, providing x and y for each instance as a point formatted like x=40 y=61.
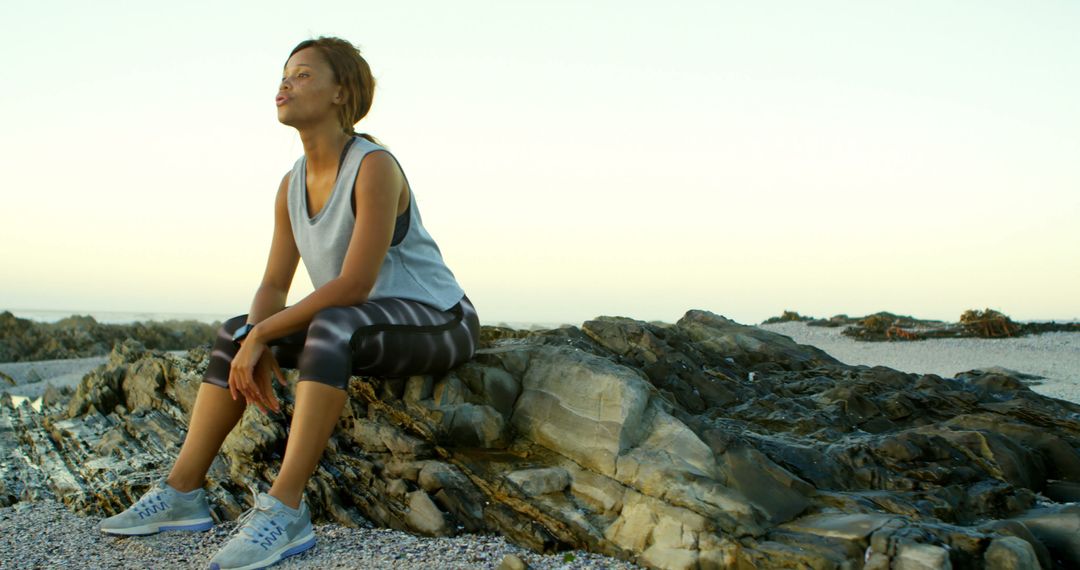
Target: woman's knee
x=330 y=322
x=216 y=381
x=339 y=383
x=222 y=352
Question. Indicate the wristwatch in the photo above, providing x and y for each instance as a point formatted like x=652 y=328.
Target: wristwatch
x=241 y=333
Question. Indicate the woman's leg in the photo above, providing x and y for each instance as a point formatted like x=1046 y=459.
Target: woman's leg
x=382 y=337
x=214 y=416
x=318 y=407
x=215 y=412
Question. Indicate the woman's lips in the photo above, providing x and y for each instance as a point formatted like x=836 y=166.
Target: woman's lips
x=281 y=100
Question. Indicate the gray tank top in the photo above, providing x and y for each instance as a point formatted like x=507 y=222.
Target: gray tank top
x=413 y=267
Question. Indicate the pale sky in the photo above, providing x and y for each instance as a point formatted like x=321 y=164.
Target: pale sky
x=570 y=159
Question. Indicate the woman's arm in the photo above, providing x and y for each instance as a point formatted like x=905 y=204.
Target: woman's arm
x=281 y=263
x=376 y=212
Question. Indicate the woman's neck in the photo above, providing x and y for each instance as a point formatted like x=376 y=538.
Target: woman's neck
x=322 y=147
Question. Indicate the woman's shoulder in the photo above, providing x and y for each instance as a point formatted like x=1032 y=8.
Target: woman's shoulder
x=366 y=145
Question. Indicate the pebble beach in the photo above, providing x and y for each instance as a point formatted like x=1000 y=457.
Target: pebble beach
x=42 y=535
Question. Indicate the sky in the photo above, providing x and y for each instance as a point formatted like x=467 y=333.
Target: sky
x=570 y=159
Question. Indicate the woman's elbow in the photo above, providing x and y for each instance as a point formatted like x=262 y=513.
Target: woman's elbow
x=352 y=292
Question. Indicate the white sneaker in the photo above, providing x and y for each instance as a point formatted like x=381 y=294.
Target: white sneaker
x=161 y=508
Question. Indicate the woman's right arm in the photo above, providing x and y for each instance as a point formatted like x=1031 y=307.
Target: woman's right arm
x=281 y=264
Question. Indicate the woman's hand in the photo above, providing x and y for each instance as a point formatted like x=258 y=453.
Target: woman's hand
x=249 y=375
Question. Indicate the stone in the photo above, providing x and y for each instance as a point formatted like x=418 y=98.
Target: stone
x=397 y=488
x=700 y=444
x=424 y=516
x=921 y=557
x=582 y=405
x=1057 y=527
x=1010 y=553
x=511 y=562
x=82 y=336
x=435 y=475
x=541 y=481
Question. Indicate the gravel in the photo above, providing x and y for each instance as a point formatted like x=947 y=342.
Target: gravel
x=1055 y=356
x=44 y=534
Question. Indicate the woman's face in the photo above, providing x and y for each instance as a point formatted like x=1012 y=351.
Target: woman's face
x=308 y=93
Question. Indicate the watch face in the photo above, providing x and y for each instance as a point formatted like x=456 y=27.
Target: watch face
x=242 y=331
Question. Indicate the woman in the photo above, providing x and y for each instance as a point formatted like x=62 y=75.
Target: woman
x=385 y=304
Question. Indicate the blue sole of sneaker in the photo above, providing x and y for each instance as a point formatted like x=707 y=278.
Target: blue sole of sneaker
x=200 y=526
x=299 y=548
x=307 y=544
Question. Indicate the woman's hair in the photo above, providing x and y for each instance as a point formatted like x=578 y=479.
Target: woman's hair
x=352 y=72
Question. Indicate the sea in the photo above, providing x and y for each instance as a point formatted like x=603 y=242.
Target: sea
x=128 y=317
x=115 y=317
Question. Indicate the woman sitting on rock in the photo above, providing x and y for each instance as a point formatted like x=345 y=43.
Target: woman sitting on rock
x=385 y=304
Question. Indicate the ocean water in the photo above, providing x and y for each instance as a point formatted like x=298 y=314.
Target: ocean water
x=121 y=317
x=115 y=317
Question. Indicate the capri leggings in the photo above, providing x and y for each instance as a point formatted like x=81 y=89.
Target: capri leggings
x=388 y=337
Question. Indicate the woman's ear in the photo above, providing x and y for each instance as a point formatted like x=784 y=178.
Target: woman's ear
x=339 y=96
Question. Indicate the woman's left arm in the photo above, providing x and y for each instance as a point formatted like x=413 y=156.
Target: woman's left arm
x=378 y=189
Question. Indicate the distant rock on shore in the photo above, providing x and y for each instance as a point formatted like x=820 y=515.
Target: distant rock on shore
x=883 y=325
x=81 y=336
x=699 y=444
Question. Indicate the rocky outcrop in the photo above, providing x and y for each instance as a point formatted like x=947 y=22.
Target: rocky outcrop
x=699 y=444
x=886 y=326
x=81 y=336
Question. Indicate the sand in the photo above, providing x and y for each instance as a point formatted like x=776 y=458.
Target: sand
x=1054 y=356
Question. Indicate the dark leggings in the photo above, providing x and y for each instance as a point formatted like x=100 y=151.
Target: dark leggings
x=388 y=337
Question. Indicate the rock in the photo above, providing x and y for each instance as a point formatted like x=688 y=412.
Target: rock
x=922 y=557
x=1057 y=527
x=785 y=317
x=397 y=488
x=581 y=404
x=435 y=475
x=886 y=326
x=540 y=481
x=424 y=516
x=1013 y=528
x=474 y=425
x=1010 y=553
x=511 y=562
x=1063 y=491
x=82 y=336
x=700 y=444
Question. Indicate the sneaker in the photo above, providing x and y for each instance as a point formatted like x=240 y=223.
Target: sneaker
x=161 y=508
x=268 y=532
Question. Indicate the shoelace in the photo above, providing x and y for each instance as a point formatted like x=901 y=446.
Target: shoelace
x=152 y=501
x=250 y=528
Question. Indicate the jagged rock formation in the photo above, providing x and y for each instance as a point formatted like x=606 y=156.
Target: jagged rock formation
x=80 y=336
x=699 y=444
